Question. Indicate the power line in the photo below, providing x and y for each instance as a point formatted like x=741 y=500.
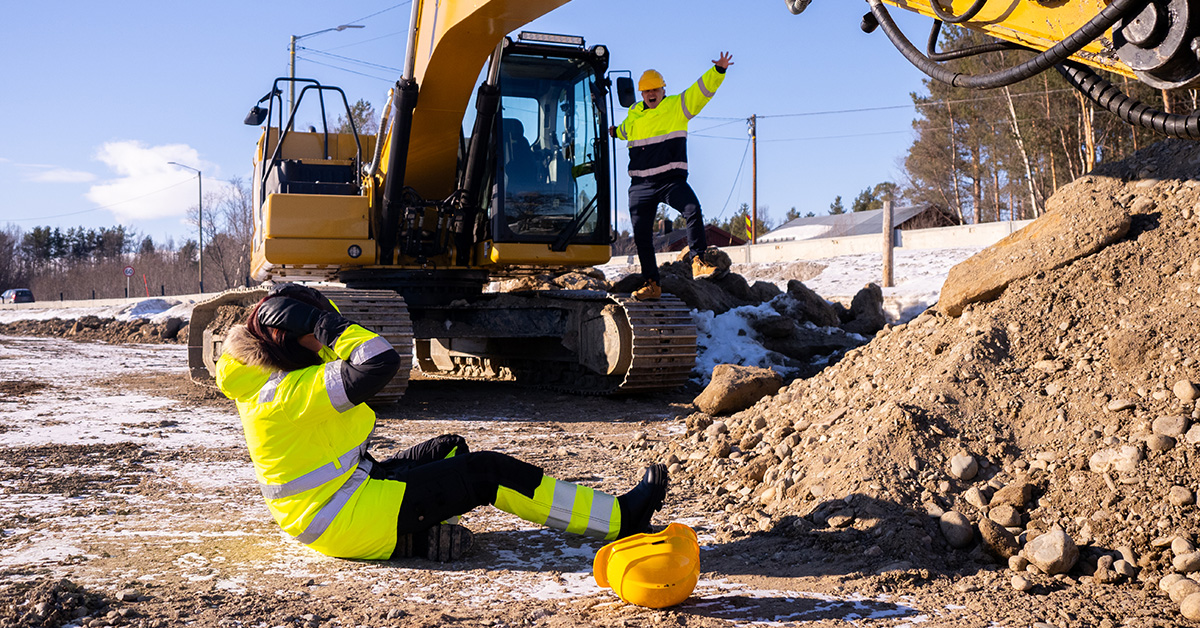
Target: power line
x=350 y=59
x=735 y=179
x=188 y=180
x=394 y=6
x=345 y=70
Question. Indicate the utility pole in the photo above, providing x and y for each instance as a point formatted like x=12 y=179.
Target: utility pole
x=889 y=245
x=292 y=60
x=199 y=218
x=754 y=178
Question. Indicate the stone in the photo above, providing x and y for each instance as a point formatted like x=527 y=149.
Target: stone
x=1190 y=607
x=976 y=497
x=1182 y=588
x=1016 y=495
x=1181 y=496
x=1158 y=442
x=734 y=388
x=1021 y=583
x=1104 y=573
x=997 y=540
x=866 y=312
x=1165 y=583
x=1120 y=405
x=1063 y=234
x=1125 y=568
x=1193 y=435
x=957 y=529
x=1018 y=563
x=1053 y=552
x=1186 y=563
x=1180 y=545
x=808 y=306
x=1173 y=426
x=1185 y=391
x=1005 y=515
x=128 y=595
x=1123 y=459
x=964 y=467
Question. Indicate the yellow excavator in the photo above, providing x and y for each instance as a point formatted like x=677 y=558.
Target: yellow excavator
x=412 y=224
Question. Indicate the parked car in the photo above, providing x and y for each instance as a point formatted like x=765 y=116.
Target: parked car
x=17 y=295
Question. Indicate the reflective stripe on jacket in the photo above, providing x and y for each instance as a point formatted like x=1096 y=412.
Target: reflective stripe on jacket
x=307 y=433
x=658 y=137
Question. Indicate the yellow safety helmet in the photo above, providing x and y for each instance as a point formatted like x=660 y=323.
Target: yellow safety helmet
x=651 y=570
x=651 y=79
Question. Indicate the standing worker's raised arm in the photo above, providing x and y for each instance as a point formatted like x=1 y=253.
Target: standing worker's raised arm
x=699 y=93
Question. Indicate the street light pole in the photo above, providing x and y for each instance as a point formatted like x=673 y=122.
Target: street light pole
x=292 y=59
x=199 y=216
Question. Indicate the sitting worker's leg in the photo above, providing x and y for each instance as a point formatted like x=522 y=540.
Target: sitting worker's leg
x=432 y=450
x=440 y=490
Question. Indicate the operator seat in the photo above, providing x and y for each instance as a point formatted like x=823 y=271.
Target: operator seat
x=520 y=165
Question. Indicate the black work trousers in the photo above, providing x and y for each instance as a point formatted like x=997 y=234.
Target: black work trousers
x=645 y=194
x=439 y=488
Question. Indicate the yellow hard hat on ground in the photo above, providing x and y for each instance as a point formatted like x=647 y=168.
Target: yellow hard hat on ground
x=651 y=79
x=651 y=570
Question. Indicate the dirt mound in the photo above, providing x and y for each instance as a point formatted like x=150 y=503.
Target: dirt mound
x=1072 y=394
x=50 y=604
x=172 y=330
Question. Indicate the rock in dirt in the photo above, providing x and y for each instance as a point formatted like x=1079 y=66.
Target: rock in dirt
x=1053 y=552
x=957 y=529
x=997 y=540
x=964 y=467
x=735 y=387
x=1190 y=607
x=1065 y=233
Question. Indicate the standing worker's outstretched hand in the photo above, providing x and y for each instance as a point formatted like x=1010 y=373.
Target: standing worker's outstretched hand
x=725 y=61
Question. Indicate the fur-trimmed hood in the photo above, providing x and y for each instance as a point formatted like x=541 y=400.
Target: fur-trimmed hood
x=242 y=346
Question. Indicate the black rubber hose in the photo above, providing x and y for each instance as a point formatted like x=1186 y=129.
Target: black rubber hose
x=961 y=53
x=1103 y=93
x=950 y=18
x=1040 y=63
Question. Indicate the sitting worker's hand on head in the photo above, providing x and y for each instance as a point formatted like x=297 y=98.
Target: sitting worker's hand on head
x=295 y=317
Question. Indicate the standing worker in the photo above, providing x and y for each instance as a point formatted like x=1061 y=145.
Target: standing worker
x=300 y=374
x=656 y=130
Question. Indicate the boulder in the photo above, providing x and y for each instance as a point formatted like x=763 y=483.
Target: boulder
x=1053 y=552
x=735 y=388
x=172 y=326
x=957 y=529
x=1068 y=231
x=866 y=312
x=996 y=540
x=807 y=306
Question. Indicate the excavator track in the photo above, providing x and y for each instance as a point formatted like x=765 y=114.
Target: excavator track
x=661 y=341
x=383 y=312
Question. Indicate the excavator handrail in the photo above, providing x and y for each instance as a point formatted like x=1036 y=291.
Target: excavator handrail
x=276 y=155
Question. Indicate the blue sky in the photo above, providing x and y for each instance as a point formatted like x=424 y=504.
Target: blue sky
x=99 y=96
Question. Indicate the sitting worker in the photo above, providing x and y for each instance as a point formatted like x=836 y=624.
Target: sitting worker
x=300 y=374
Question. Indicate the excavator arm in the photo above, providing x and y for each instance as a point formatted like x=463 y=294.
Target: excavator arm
x=1154 y=41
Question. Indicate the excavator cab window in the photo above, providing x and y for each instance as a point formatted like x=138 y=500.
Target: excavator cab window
x=550 y=174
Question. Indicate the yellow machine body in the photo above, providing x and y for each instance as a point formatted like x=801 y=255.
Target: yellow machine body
x=652 y=570
x=1039 y=25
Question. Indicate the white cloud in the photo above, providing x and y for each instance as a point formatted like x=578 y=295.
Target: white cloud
x=147 y=187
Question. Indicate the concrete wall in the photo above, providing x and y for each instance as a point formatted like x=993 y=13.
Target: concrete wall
x=941 y=238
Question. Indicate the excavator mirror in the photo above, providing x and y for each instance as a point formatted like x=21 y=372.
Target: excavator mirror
x=625 y=94
x=256 y=116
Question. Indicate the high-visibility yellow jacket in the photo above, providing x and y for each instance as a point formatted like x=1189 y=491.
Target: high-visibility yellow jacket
x=307 y=433
x=658 y=137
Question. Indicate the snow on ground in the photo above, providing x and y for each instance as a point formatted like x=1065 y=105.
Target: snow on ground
x=723 y=339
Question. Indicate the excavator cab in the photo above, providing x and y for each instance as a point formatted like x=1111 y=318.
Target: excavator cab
x=550 y=198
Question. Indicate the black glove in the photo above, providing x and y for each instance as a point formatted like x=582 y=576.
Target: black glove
x=295 y=289
x=290 y=315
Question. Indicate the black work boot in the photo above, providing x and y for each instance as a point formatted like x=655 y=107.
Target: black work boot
x=442 y=543
x=640 y=503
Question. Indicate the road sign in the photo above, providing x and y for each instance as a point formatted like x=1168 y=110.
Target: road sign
x=129 y=271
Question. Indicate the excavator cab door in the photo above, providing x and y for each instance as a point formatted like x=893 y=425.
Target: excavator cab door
x=550 y=198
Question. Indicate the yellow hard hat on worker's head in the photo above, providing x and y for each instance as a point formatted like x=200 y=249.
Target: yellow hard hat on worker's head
x=652 y=570
x=651 y=79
